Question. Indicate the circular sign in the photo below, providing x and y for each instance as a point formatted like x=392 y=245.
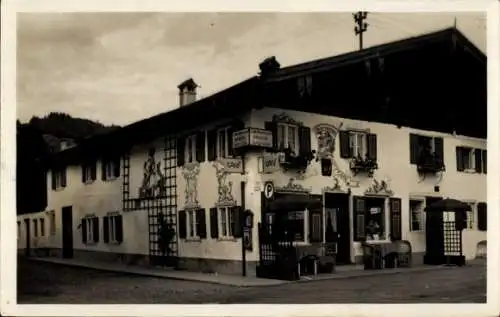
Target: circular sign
x=269 y=190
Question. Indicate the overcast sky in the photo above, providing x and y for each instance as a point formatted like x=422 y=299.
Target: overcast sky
x=117 y=68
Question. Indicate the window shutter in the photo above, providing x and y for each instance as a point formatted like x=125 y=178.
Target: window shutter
x=237 y=213
x=236 y=126
x=116 y=165
x=105 y=229
x=359 y=218
x=84 y=230
x=212 y=145
x=53 y=179
x=460 y=159
x=63 y=180
x=482 y=216
x=273 y=127
x=202 y=224
x=83 y=173
x=119 y=228
x=414 y=149
x=439 y=148
x=200 y=146
x=345 y=147
x=395 y=216
x=93 y=171
x=304 y=140
x=371 y=145
x=181 y=147
x=103 y=169
x=214 y=223
x=95 y=228
x=315 y=236
x=182 y=225
x=485 y=155
x=478 y=162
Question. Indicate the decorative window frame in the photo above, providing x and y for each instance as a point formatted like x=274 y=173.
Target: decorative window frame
x=422 y=200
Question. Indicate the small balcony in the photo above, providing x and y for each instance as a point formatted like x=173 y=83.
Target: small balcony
x=430 y=163
x=363 y=165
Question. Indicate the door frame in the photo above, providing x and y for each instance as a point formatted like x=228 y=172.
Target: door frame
x=349 y=210
x=67 y=210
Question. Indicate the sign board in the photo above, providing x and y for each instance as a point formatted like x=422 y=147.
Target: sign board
x=232 y=165
x=252 y=137
x=269 y=190
x=270 y=163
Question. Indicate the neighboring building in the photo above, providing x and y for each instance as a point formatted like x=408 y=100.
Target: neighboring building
x=379 y=134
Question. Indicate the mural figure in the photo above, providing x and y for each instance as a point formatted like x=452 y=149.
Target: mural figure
x=190 y=173
x=153 y=181
x=326 y=135
x=224 y=187
x=380 y=188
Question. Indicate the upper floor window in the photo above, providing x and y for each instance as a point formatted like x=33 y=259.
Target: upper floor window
x=220 y=141
x=110 y=169
x=424 y=147
x=288 y=137
x=358 y=144
x=471 y=160
x=224 y=144
x=190 y=155
x=191 y=149
x=88 y=172
x=58 y=178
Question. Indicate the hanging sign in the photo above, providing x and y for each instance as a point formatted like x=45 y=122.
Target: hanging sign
x=269 y=190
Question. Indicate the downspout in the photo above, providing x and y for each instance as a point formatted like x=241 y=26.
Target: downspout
x=242 y=222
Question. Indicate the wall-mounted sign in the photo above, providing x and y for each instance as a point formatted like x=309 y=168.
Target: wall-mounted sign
x=252 y=137
x=269 y=190
x=270 y=163
x=232 y=165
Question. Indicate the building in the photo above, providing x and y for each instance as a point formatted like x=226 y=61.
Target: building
x=373 y=135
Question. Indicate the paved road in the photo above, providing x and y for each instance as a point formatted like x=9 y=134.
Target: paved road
x=55 y=284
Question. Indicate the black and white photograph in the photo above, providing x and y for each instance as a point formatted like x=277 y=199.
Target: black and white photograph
x=251 y=158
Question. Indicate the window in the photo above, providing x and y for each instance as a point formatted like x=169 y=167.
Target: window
x=190 y=151
x=52 y=223
x=357 y=142
x=19 y=229
x=224 y=143
x=90 y=230
x=471 y=160
x=42 y=227
x=192 y=223
x=375 y=219
x=110 y=169
x=297 y=225
x=113 y=228
x=58 y=178
x=35 y=228
x=470 y=216
x=88 y=172
x=288 y=137
x=467 y=155
x=416 y=215
x=423 y=148
x=226 y=222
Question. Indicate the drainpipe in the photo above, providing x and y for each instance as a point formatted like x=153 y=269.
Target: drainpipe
x=242 y=222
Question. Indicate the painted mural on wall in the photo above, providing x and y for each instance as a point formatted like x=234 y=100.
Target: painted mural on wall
x=380 y=187
x=153 y=181
x=190 y=172
x=326 y=135
x=224 y=186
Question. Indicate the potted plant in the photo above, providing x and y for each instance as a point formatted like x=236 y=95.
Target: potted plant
x=297 y=161
x=360 y=164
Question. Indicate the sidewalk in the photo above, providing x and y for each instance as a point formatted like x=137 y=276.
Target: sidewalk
x=342 y=272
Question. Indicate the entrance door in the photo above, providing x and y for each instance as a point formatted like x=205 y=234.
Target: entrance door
x=338 y=225
x=67 y=232
x=28 y=237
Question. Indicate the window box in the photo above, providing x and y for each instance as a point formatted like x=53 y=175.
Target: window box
x=430 y=162
x=359 y=164
x=291 y=160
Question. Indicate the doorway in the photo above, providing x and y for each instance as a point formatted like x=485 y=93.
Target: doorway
x=67 y=232
x=337 y=225
x=28 y=237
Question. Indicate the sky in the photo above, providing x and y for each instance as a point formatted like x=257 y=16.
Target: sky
x=117 y=68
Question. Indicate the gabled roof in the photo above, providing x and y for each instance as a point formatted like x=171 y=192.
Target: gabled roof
x=319 y=65
x=236 y=100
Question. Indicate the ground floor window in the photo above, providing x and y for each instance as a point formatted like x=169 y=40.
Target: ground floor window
x=297 y=224
x=113 y=228
x=416 y=214
x=35 y=227
x=42 y=227
x=375 y=227
x=52 y=222
x=90 y=230
x=192 y=223
x=470 y=216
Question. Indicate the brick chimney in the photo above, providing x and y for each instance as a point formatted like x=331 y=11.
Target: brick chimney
x=187 y=92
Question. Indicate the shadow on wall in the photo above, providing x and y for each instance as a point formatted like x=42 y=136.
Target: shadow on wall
x=481 y=250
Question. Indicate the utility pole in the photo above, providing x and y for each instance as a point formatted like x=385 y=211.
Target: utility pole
x=361 y=26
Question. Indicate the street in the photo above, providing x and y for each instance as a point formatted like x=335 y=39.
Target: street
x=45 y=283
